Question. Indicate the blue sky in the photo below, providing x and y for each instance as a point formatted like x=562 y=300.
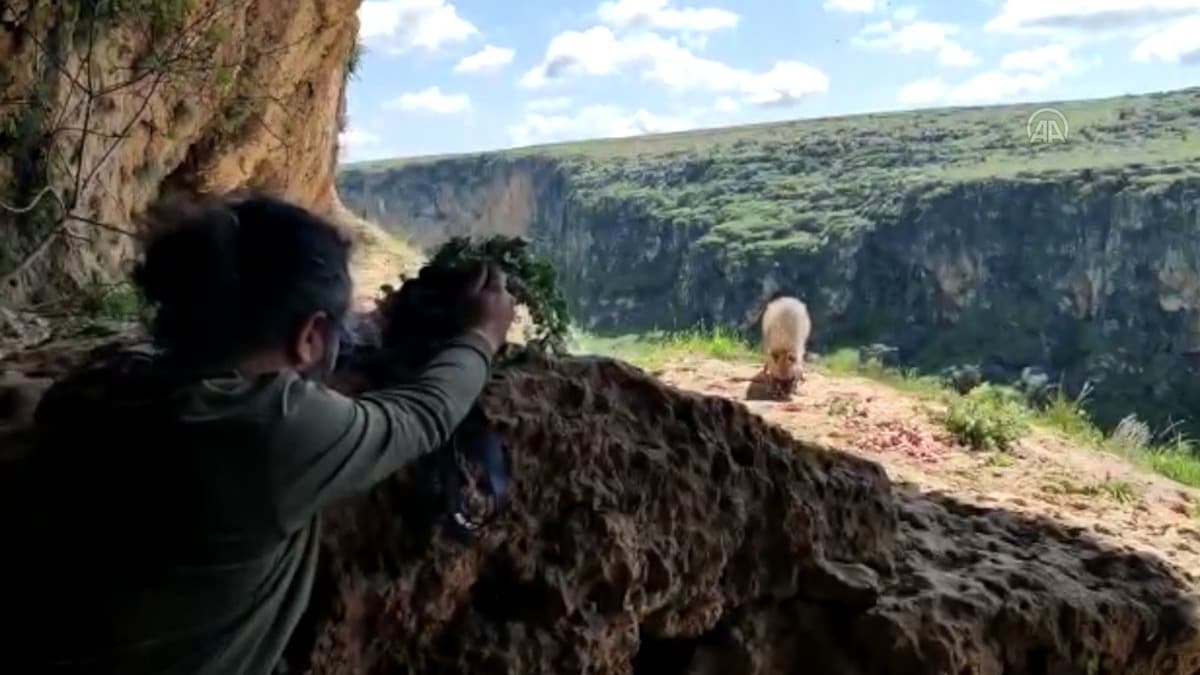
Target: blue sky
x=445 y=76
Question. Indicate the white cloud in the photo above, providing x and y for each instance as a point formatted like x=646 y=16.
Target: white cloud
x=905 y=14
x=356 y=144
x=1176 y=43
x=430 y=99
x=549 y=104
x=785 y=83
x=356 y=138
x=923 y=92
x=597 y=52
x=660 y=15
x=402 y=25
x=994 y=86
x=1020 y=74
x=726 y=104
x=489 y=59
x=1087 y=15
x=597 y=121
x=1053 y=57
x=999 y=87
x=853 y=6
x=917 y=37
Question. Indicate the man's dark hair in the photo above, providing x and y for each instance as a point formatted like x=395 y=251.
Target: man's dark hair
x=233 y=275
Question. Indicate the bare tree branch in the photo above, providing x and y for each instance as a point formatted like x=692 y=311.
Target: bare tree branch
x=48 y=190
x=87 y=110
x=116 y=229
x=168 y=65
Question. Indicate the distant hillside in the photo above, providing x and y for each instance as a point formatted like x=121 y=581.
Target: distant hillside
x=947 y=233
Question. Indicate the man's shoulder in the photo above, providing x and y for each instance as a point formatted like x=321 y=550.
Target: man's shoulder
x=138 y=381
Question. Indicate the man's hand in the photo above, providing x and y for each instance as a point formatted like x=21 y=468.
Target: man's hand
x=489 y=307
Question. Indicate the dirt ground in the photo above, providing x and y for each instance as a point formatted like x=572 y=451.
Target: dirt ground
x=1045 y=474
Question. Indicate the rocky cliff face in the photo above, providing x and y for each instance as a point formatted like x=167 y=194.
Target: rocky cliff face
x=1082 y=259
x=104 y=106
x=657 y=531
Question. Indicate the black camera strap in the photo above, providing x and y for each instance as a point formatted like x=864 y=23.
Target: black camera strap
x=475 y=444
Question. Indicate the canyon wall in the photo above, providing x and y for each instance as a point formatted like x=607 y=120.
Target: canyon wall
x=954 y=242
x=106 y=106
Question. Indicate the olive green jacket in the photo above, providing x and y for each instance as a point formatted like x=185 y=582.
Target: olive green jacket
x=171 y=524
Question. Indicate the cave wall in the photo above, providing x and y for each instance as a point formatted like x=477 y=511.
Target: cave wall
x=1093 y=277
x=104 y=110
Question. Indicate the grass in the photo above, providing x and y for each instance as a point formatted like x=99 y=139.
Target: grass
x=1177 y=459
x=995 y=418
x=1069 y=417
x=999 y=460
x=988 y=418
x=1168 y=454
x=654 y=350
x=1119 y=491
x=848 y=362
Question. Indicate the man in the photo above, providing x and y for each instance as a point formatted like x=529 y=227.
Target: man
x=173 y=498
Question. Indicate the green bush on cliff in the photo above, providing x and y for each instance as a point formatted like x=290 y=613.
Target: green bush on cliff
x=532 y=281
x=989 y=417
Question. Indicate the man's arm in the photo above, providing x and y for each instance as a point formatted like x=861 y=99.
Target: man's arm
x=328 y=446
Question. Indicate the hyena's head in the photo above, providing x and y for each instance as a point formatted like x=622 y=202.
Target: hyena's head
x=784 y=364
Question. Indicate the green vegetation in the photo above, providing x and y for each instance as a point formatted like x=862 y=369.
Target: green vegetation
x=117 y=302
x=999 y=460
x=987 y=418
x=531 y=280
x=1177 y=459
x=1119 y=491
x=842 y=406
x=160 y=16
x=848 y=362
x=1069 y=416
x=654 y=350
x=799 y=185
x=354 y=59
x=995 y=417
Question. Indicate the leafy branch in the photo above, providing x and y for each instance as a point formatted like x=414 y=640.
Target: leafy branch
x=532 y=281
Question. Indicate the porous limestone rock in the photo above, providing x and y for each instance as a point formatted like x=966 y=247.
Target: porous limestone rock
x=204 y=94
x=654 y=530
x=659 y=531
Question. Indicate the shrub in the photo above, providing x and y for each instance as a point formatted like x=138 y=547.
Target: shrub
x=1176 y=459
x=1070 y=416
x=531 y=279
x=119 y=302
x=989 y=417
x=1131 y=434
